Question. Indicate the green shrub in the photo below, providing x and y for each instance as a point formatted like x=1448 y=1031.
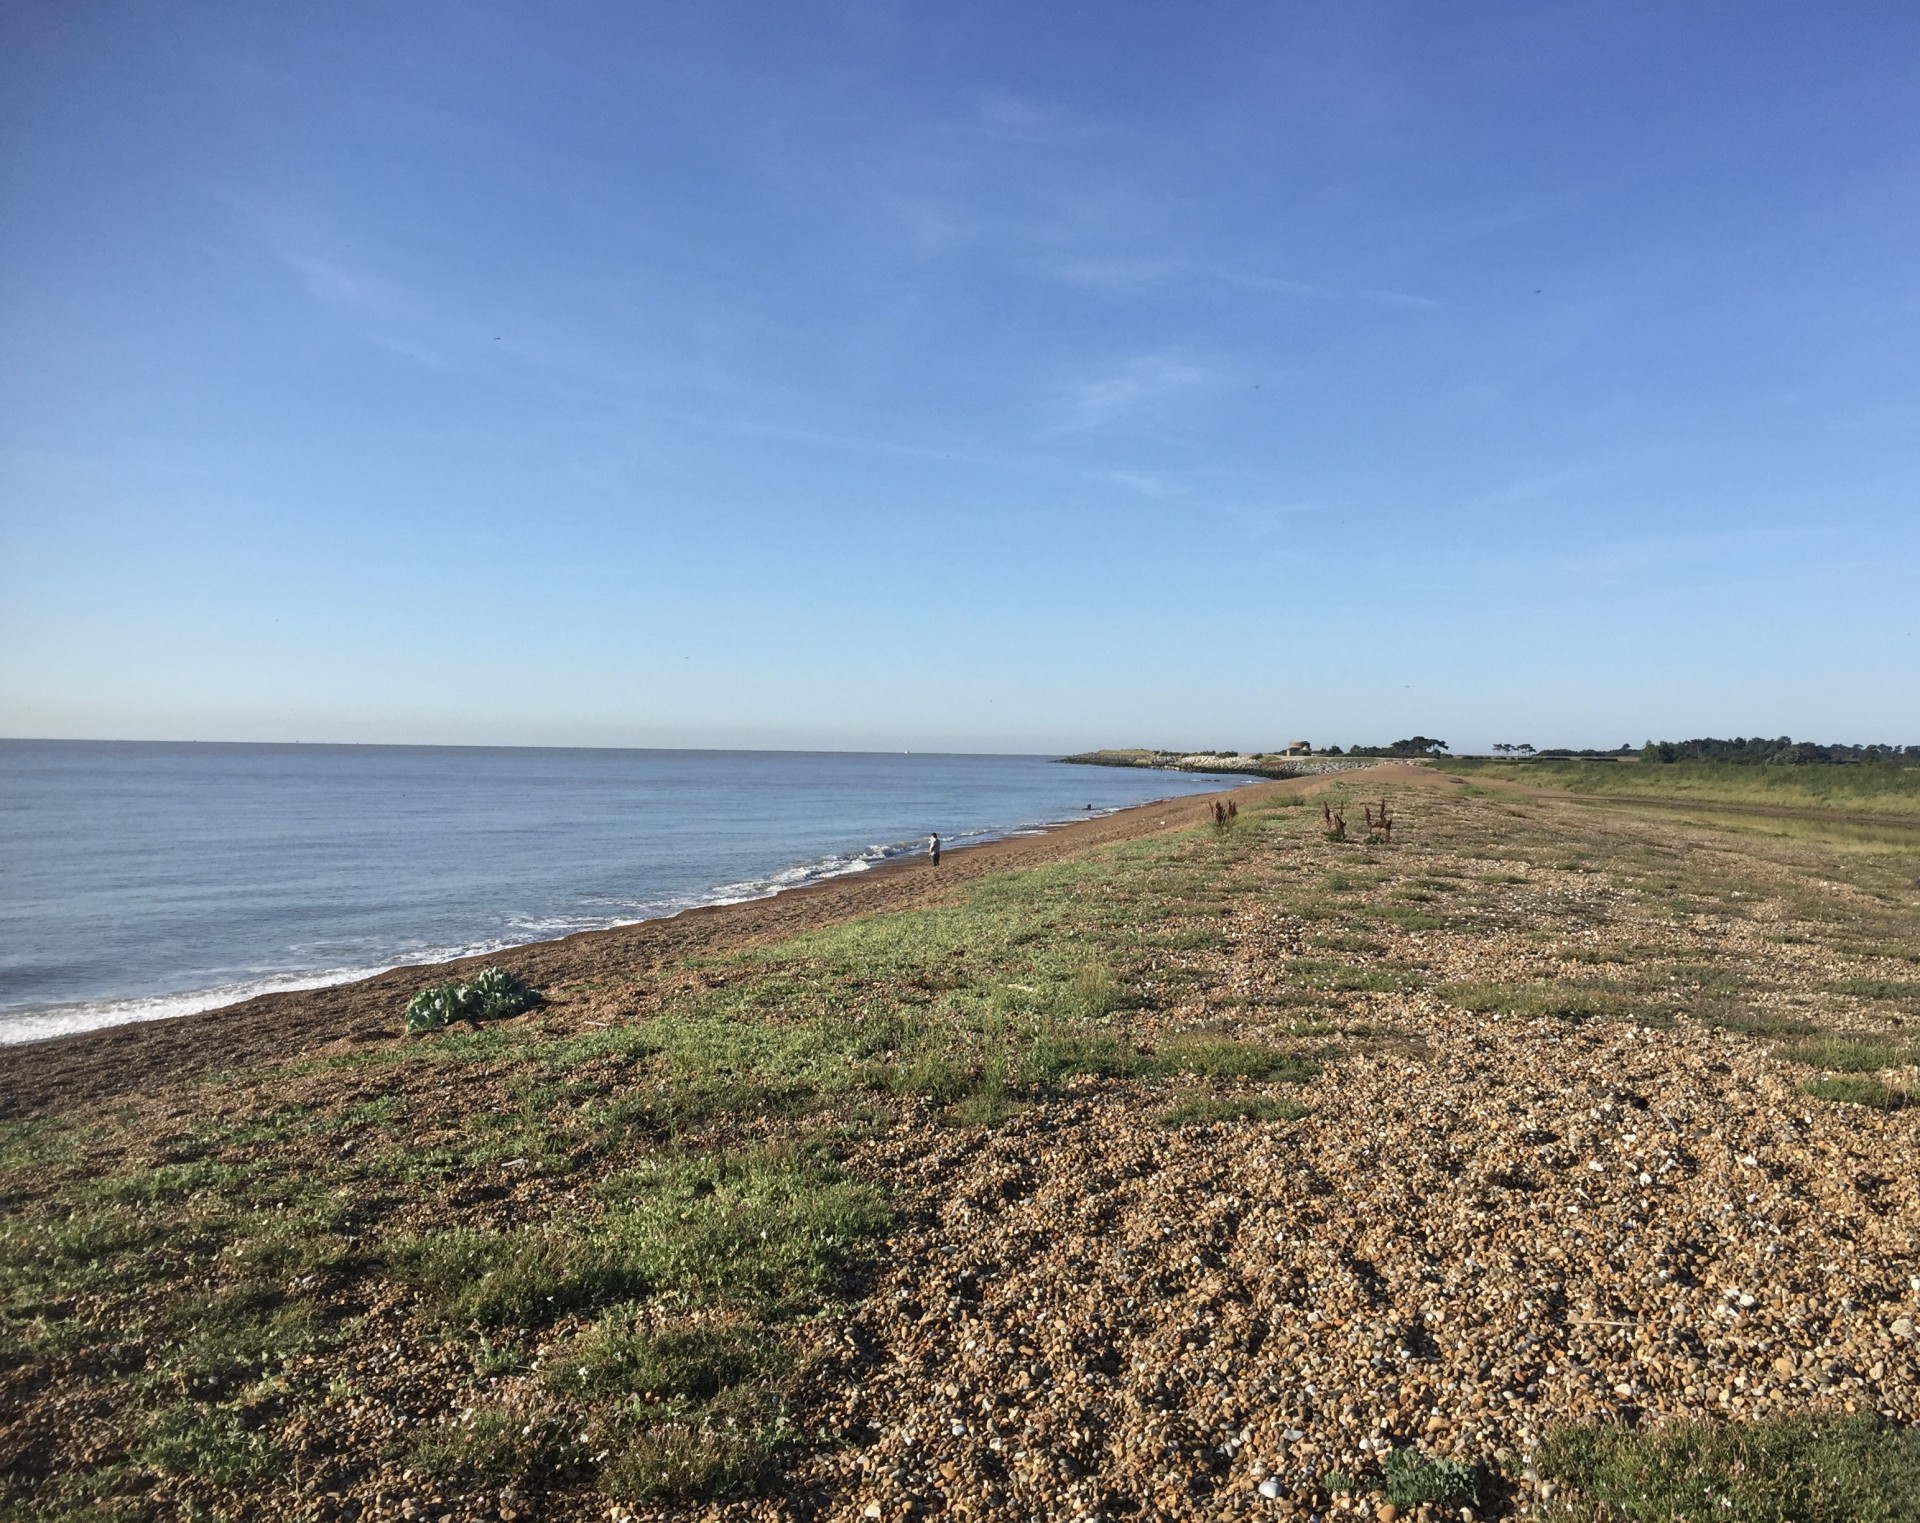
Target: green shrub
x=490 y=995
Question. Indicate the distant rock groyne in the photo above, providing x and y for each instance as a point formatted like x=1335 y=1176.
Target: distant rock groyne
x=1257 y=764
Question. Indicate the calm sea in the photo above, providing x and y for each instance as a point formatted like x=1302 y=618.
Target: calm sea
x=143 y=880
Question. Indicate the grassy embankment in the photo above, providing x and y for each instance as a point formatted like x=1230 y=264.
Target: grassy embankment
x=1863 y=789
x=584 y=1251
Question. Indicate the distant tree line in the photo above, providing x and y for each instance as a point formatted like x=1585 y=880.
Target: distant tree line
x=1418 y=745
x=1784 y=752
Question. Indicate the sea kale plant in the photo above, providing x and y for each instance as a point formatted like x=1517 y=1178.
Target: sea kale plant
x=490 y=995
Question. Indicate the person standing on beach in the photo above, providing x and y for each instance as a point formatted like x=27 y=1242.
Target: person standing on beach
x=933 y=848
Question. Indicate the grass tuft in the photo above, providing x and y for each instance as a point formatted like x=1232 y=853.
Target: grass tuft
x=761 y=1228
x=1850 y=1055
x=1813 y=1469
x=1532 y=1001
x=688 y=1364
x=210 y=1442
x=1210 y=1110
x=1858 y=1091
x=1216 y=1058
x=692 y=1458
x=504 y=1443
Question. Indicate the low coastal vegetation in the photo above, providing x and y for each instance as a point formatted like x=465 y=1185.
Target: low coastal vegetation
x=1871 y=783
x=1539 y=1159
x=1794 y=1470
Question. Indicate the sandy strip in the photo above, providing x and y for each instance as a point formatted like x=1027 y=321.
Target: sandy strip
x=40 y=1077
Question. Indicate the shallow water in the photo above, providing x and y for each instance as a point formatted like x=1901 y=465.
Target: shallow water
x=140 y=880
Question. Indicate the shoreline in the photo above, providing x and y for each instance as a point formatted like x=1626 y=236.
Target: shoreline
x=185 y=1003
x=49 y=1073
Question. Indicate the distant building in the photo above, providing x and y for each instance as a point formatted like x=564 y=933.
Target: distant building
x=1299 y=748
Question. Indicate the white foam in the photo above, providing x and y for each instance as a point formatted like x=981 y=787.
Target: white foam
x=59 y=1020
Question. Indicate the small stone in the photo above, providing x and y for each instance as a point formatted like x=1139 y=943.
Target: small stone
x=1270 y=1487
x=1903 y=1327
x=871 y=1510
x=1387 y=1512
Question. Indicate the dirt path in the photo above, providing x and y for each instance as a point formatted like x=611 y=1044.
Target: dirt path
x=40 y=1077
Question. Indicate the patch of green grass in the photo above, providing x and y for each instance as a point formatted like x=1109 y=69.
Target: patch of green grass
x=1187 y=940
x=1705 y=976
x=1897 y=989
x=677 y=1458
x=85 y=1249
x=209 y=1442
x=1092 y=991
x=1054 y=1055
x=1858 y=1091
x=237 y=1332
x=502 y=1443
x=761 y=1228
x=1848 y=1054
x=1814 y=1469
x=1757 y=1023
x=618 y=1357
x=37 y=1142
x=1218 y=1058
x=1346 y=978
x=1209 y=1110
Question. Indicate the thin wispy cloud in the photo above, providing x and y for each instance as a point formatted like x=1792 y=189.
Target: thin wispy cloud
x=1277 y=285
x=1144 y=384
x=1138 y=275
x=1145 y=483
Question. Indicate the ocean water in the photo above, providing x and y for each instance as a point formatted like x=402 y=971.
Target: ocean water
x=142 y=880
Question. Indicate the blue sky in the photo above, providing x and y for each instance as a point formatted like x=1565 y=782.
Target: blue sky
x=972 y=376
